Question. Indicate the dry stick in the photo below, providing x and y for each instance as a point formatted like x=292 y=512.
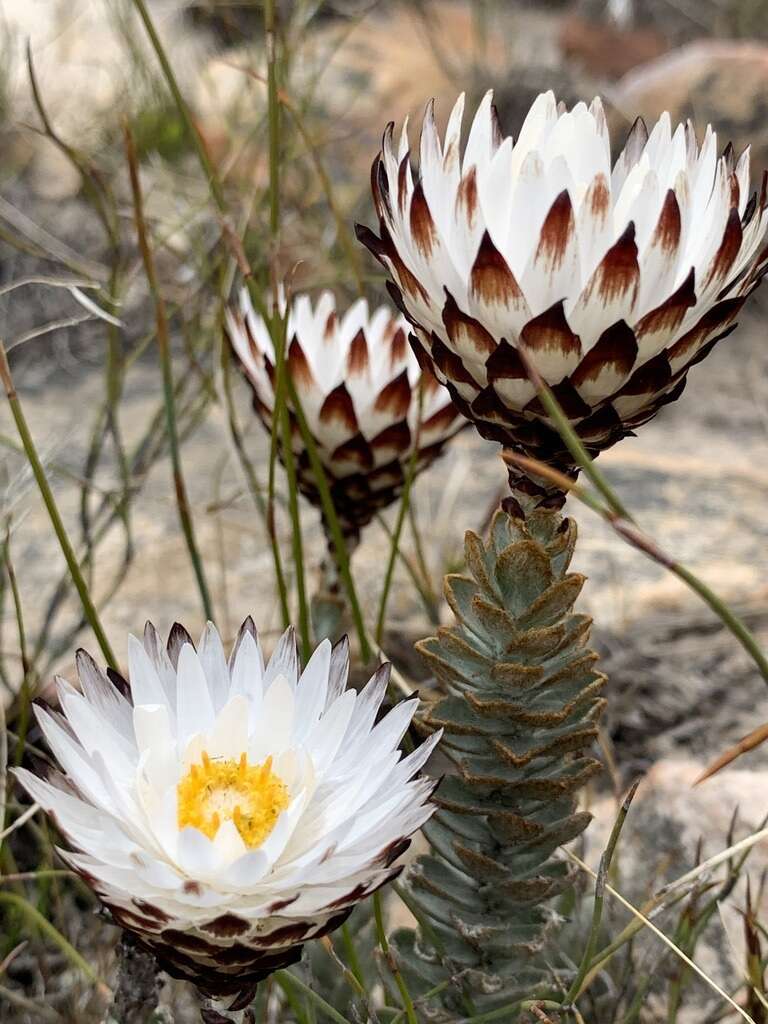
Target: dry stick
x=660 y=934
x=89 y=609
x=164 y=346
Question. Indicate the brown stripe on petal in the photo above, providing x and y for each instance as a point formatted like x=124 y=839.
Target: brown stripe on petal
x=460 y=326
x=371 y=241
x=330 y=326
x=749 y=210
x=357 y=450
x=357 y=357
x=338 y=406
x=423 y=356
x=449 y=364
x=669 y=226
x=397 y=436
x=402 y=182
x=491 y=279
x=636 y=140
x=398 y=346
x=616 y=347
x=505 y=363
x=599 y=195
x=669 y=315
x=733 y=181
x=648 y=378
x=397 y=297
x=556 y=232
x=550 y=331
x=380 y=186
x=298 y=366
x=716 y=317
x=151 y=911
x=571 y=402
x=442 y=419
x=429 y=382
x=488 y=405
x=497 y=132
x=728 y=250
x=408 y=280
x=422 y=225
x=466 y=196
x=395 y=397
x=618 y=272
x=604 y=423
x=226 y=926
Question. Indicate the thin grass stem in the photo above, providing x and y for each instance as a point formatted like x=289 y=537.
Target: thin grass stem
x=89 y=609
x=164 y=347
x=399 y=523
x=286 y=980
x=37 y=920
x=405 y=995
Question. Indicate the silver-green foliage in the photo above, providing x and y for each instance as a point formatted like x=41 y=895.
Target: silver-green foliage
x=520 y=711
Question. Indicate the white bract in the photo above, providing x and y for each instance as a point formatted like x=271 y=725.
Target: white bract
x=611 y=279
x=358 y=382
x=230 y=809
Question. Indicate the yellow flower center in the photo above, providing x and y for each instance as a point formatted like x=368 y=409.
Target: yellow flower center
x=251 y=796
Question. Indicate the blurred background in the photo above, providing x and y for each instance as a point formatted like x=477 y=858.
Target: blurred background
x=73 y=71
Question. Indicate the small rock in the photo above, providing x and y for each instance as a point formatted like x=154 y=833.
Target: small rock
x=608 y=49
x=722 y=83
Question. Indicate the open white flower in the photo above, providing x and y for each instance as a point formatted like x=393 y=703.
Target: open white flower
x=227 y=811
x=612 y=280
x=358 y=383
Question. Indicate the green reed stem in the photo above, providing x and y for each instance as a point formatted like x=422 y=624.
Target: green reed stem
x=332 y=521
x=36 y=918
x=281 y=420
x=405 y=995
x=194 y=135
x=399 y=523
x=617 y=516
x=597 y=911
x=572 y=440
x=286 y=980
x=25 y=694
x=346 y=239
x=422 y=588
x=329 y=510
x=89 y=609
x=164 y=347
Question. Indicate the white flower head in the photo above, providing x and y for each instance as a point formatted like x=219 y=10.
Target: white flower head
x=367 y=402
x=227 y=810
x=611 y=279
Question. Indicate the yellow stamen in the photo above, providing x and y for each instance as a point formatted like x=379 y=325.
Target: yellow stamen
x=251 y=796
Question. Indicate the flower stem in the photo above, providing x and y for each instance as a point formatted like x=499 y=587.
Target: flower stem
x=89 y=609
x=286 y=980
x=164 y=347
x=278 y=326
x=399 y=523
x=405 y=995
